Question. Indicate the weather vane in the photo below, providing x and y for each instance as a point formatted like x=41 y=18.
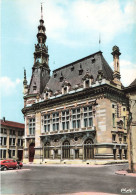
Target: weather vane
x=42 y=10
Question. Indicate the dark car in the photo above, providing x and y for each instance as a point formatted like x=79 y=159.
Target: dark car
x=7 y=164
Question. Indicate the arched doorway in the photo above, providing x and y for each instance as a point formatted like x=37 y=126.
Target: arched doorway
x=88 y=149
x=47 y=150
x=31 y=152
x=66 y=149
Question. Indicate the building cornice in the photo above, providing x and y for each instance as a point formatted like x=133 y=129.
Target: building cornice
x=102 y=91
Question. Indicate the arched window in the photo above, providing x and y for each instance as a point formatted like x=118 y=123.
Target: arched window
x=66 y=149
x=88 y=149
x=47 y=150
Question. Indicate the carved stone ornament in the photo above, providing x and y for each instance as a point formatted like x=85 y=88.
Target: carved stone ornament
x=120 y=124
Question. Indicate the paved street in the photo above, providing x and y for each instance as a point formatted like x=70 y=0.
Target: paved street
x=42 y=180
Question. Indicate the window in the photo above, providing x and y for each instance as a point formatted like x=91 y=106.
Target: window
x=87 y=83
x=65 y=120
x=12 y=141
x=47 y=123
x=12 y=132
x=124 y=121
x=125 y=138
x=20 y=142
x=34 y=87
x=76 y=117
x=93 y=60
x=65 y=90
x=124 y=109
x=87 y=114
x=5 y=141
x=9 y=152
x=4 y=153
x=113 y=120
x=72 y=68
x=113 y=137
x=20 y=133
x=80 y=71
x=2 y=130
x=13 y=153
x=113 y=106
x=55 y=121
x=32 y=126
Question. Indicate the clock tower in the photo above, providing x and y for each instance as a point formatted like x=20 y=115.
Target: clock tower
x=40 y=69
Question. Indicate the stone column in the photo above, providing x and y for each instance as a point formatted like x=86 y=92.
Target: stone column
x=37 y=157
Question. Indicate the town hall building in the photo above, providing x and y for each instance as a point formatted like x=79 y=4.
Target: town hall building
x=79 y=113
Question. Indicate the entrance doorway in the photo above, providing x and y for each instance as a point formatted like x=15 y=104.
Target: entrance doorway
x=120 y=154
x=20 y=155
x=76 y=153
x=66 y=150
x=31 y=152
x=55 y=153
x=88 y=149
x=114 y=154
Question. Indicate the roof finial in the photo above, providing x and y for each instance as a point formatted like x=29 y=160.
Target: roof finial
x=41 y=12
x=24 y=73
x=25 y=80
x=99 y=41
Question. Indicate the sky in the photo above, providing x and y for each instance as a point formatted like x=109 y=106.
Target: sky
x=73 y=28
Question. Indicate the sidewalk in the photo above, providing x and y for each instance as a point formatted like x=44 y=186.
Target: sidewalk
x=125 y=173
x=88 y=193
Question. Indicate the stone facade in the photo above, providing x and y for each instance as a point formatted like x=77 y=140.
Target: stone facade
x=131 y=92
x=81 y=112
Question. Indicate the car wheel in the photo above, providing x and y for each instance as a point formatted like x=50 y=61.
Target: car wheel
x=5 y=169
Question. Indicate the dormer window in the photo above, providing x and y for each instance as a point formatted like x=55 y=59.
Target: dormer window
x=34 y=87
x=55 y=74
x=80 y=70
x=65 y=90
x=93 y=60
x=61 y=77
x=47 y=95
x=72 y=68
x=87 y=83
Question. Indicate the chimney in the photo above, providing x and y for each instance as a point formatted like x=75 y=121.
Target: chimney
x=4 y=119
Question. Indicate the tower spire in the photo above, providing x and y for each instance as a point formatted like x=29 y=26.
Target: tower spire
x=25 y=80
x=41 y=12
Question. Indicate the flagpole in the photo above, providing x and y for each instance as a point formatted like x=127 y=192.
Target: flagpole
x=99 y=41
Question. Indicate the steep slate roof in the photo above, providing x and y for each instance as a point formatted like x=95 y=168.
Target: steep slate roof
x=133 y=84
x=87 y=65
x=12 y=124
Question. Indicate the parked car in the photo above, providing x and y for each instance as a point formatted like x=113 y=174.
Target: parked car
x=7 y=164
